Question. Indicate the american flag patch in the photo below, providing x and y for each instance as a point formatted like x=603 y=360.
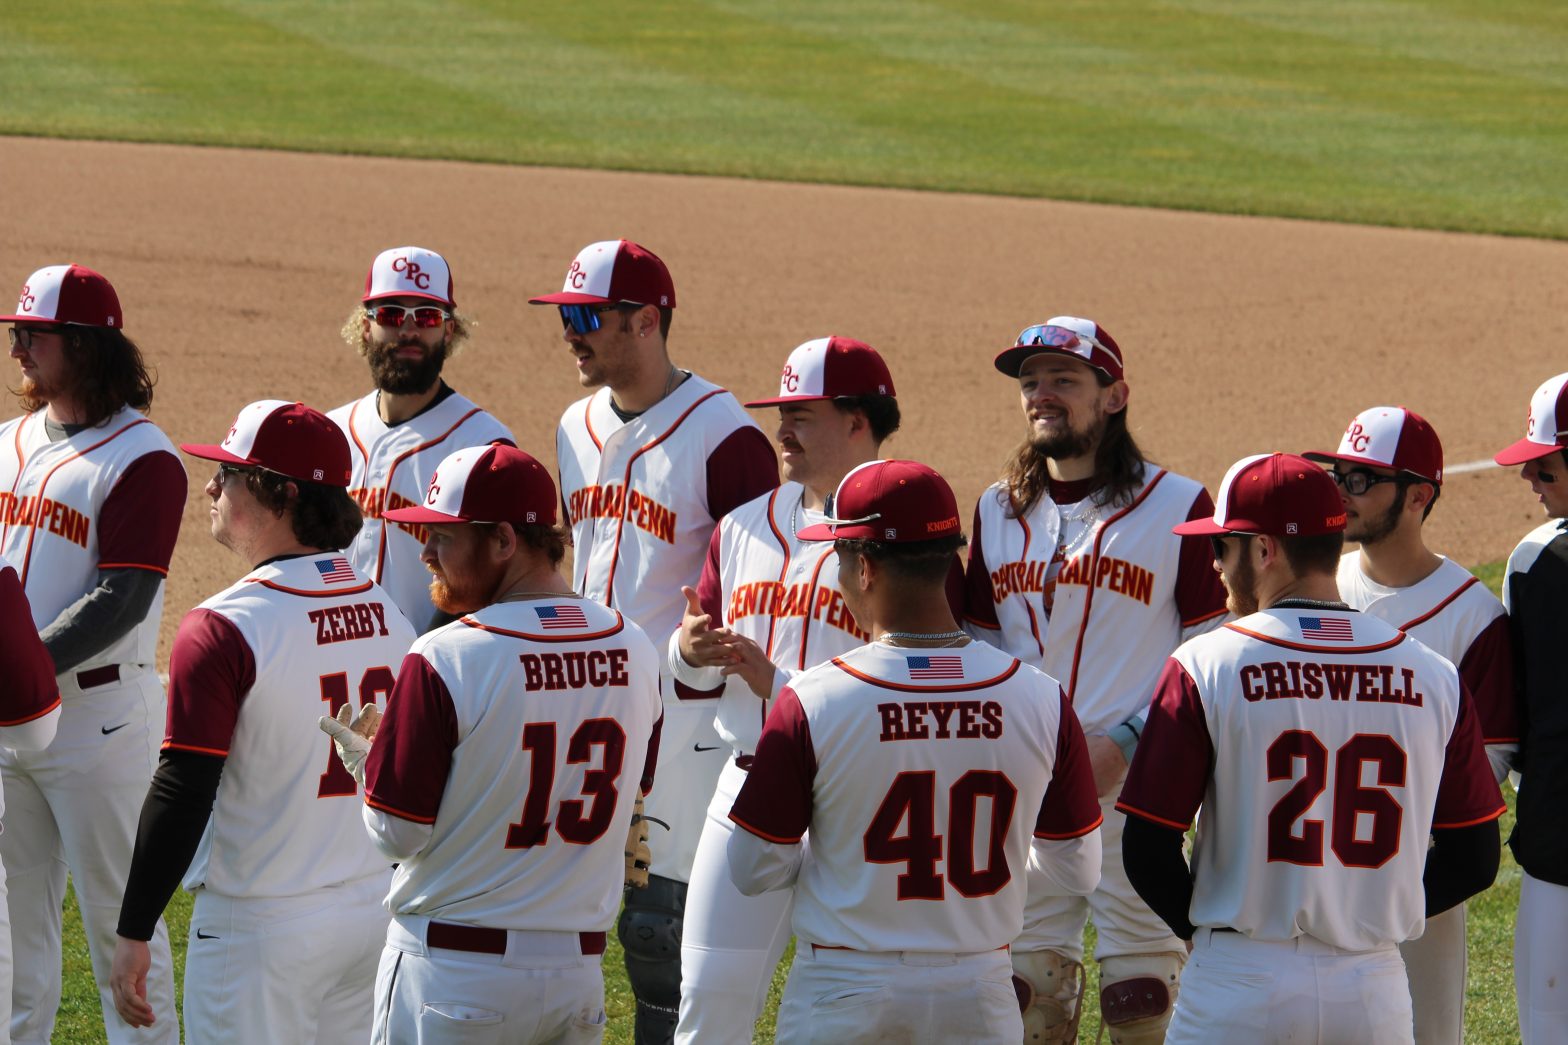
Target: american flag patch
x=552 y=617
x=335 y=571
x=1326 y=629
x=945 y=667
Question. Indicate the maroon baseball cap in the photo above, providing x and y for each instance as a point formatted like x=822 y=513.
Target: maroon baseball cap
x=1281 y=495
x=288 y=438
x=68 y=294
x=409 y=272
x=1389 y=437
x=1545 y=427
x=891 y=501
x=611 y=271
x=830 y=367
x=495 y=483
x=1080 y=339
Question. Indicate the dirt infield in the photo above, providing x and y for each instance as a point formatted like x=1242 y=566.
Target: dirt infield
x=236 y=269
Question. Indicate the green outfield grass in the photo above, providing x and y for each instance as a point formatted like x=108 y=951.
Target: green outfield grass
x=1435 y=113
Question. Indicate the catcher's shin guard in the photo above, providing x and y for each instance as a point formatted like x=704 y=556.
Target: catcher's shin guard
x=1050 y=993
x=1138 y=995
x=650 y=933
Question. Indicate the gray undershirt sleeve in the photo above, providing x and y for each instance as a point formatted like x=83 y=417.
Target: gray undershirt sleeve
x=100 y=618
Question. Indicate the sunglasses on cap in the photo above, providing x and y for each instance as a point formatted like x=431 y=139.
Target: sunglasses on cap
x=1046 y=336
x=584 y=319
x=1358 y=481
x=425 y=316
x=22 y=337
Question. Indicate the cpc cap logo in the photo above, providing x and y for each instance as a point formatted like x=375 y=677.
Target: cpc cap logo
x=26 y=301
x=410 y=272
x=1356 y=437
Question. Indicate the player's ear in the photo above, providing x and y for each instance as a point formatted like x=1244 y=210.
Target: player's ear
x=503 y=541
x=1116 y=395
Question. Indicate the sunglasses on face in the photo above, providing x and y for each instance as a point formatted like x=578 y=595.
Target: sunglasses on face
x=1358 y=481
x=227 y=470
x=1218 y=543
x=22 y=337
x=425 y=316
x=584 y=319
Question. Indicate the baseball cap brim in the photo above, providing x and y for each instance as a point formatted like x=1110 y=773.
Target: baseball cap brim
x=571 y=297
x=437 y=298
x=829 y=531
x=421 y=514
x=1525 y=450
x=1010 y=361
x=781 y=400
x=213 y=452
x=1204 y=528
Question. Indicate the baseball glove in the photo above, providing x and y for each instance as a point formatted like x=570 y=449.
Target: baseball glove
x=352 y=735
x=638 y=855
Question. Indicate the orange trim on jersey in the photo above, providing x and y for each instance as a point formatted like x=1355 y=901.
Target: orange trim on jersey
x=1034 y=622
x=811 y=599
x=1440 y=607
x=1307 y=648
x=312 y=594
x=981 y=624
x=778 y=535
x=626 y=484
x=1207 y=616
x=620 y=623
x=32 y=531
x=1073 y=834
x=775 y=839
x=1125 y=808
x=1094 y=562
x=1488 y=818
x=169 y=745
x=598 y=444
x=35 y=717
x=133 y=566
x=399 y=813
x=1012 y=670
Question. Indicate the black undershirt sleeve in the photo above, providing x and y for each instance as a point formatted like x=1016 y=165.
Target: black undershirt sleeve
x=118 y=602
x=1462 y=862
x=178 y=806
x=1152 y=856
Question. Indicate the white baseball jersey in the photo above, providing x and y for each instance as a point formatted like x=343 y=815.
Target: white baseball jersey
x=392 y=469
x=921 y=774
x=1323 y=746
x=251 y=670
x=763 y=582
x=521 y=734
x=1093 y=595
x=109 y=496
x=1452 y=612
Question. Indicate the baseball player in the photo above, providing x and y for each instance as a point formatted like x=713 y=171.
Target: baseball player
x=921 y=764
x=649 y=463
x=1535 y=590
x=767 y=607
x=504 y=775
x=92 y=493
x=1389 y=468
x=1078 y=533
x=29 y=717
x=287 y=922
x=1325 y=747
x=407 y=327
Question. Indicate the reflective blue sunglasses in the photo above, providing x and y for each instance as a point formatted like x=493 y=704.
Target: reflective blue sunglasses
x=584 y=319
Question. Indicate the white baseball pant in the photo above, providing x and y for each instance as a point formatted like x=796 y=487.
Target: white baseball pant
x=1250 y=992
x=1541 y=962
x=295 y=968
x=1437 y=962
x=839 y=996
x=76 y=805
x=691 y=756
x=542 y=991
x=731 y=942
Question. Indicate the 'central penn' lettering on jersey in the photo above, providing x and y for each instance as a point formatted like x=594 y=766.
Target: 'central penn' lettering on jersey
x=56 y=517
x=1365 y=683
x=575 y=669
x=615 y=502
x=1118 y=575
x=376 y=502
x=908 y=720
x=360 y=620
x=773 y=599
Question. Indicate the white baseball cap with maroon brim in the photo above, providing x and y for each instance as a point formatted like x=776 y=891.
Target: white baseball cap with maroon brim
x=412 y=272
x=1546 y=426
x=612 y=271
x=288 y=438
x=1389 y=437
x=68 y=294
x=486 y=484
x=829 y=368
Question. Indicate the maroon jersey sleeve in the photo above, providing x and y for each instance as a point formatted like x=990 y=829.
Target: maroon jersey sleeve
x=140 y=518
x=1071 y=808
x=650 y=762
x=211 y=668
x=740 y=468
x=1170 y=769
x=979 y=603
x=1488 y=670
x=1467 y=794
x=775 y=801
x=1199 y=593
x=405 y=772
x=710 y=592
x=30 y=691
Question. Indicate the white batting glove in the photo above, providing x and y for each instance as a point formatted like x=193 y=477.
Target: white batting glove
x=352 y=735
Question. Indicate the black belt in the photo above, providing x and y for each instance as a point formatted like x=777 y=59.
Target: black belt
x=476 y=939
x=98 y=676
x=744 y=762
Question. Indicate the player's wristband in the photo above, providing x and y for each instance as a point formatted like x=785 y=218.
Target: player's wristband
x=1126 y=738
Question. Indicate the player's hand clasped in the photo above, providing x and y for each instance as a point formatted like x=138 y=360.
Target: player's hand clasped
x=703 y=645
x=352 y=734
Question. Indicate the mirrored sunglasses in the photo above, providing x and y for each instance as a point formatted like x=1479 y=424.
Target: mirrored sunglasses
x=425 y=316
x=1045 y=336
x=584 y=319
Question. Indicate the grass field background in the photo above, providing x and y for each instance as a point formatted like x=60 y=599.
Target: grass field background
x=1441 y=113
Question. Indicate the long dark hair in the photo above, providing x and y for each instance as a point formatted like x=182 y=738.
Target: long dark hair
x=108 y=372
x=324 y=517
x=1118 y=467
